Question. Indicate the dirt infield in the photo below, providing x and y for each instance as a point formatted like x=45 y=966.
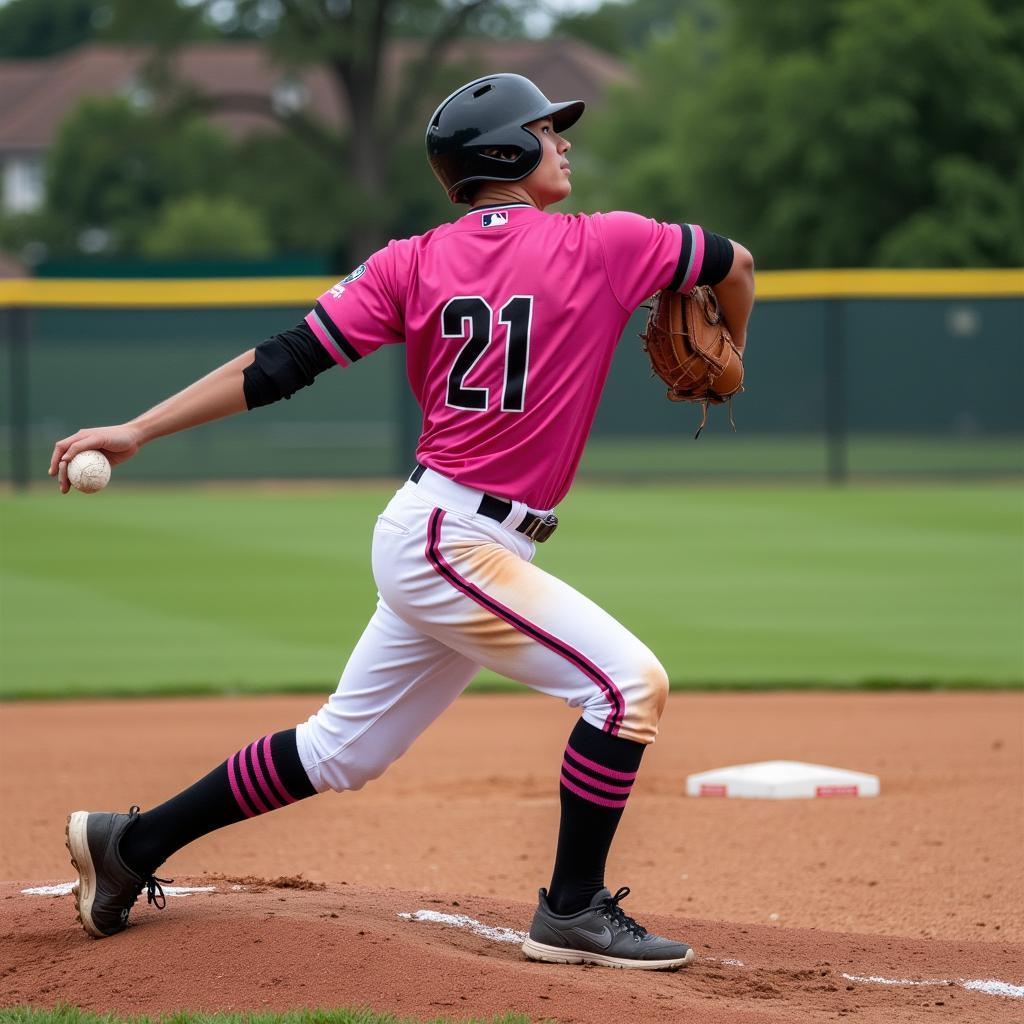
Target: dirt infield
x=782 y=900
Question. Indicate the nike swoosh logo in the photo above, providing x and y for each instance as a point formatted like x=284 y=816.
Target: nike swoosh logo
x=601 y=939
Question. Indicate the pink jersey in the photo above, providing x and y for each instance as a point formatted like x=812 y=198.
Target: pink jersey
x=510 y=317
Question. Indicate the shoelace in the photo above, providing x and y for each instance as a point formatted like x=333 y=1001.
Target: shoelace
x=619 y=917
x=155 y=891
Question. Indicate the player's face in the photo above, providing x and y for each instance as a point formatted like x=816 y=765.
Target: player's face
x=549 y=181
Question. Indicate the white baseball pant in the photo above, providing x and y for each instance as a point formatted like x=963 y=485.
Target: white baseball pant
x=457 y=591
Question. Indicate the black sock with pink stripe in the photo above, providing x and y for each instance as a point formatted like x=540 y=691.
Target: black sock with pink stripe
x=597 y=775
x=260 y=777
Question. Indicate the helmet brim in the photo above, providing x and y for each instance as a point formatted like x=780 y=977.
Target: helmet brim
x=563 y=115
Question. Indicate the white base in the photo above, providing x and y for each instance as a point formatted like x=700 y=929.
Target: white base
x=781 y=780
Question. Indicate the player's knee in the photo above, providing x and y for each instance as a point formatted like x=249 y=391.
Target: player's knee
x=337 y=763
x=645 y=702
x=654 y=691
x=342 y=771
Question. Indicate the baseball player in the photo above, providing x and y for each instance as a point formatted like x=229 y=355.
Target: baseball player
x=509 y=316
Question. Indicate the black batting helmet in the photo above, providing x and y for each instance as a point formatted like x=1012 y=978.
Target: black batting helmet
x=486 y=114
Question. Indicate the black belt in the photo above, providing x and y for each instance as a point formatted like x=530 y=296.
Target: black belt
x=537 y=528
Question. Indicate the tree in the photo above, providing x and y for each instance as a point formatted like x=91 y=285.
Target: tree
x=833 y=132
x=113 y=167
x=620 y=28
x=197 y=227
x=349 y=39
x=39 y=28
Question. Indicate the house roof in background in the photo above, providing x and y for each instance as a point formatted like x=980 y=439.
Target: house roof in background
x=36 y=95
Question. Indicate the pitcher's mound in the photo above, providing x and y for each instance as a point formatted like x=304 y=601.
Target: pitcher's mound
x=280 y=944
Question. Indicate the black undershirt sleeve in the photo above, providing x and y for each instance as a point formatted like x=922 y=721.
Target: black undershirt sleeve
x=718 y=256
x=284 y=363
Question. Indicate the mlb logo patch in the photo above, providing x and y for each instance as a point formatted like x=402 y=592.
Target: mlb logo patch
x=494 y=220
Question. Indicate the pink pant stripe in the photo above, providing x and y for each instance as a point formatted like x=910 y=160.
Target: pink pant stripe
x=591 y=781
x=531 y=629
x=573 y=788
x=610 y=773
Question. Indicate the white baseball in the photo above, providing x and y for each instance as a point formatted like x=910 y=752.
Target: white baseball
x=89 y=472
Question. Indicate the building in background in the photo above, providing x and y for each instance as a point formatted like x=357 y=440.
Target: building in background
x=36 y=95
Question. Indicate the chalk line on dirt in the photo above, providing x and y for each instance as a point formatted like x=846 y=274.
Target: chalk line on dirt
x=464 y=921
x=987 y=986
x=990 y=986
x=64 y=889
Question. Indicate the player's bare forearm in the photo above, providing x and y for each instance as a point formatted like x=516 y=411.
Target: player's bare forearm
x=220 y=393
x=735 y=294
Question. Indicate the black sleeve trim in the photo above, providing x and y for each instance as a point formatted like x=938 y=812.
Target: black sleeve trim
x=718 y=257
x=284 y=363
x=684 y=258
x=339 y=339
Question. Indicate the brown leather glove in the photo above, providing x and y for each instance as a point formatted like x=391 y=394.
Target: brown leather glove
x=691 y=350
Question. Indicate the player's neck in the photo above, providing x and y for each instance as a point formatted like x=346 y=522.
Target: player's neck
x=500 y=195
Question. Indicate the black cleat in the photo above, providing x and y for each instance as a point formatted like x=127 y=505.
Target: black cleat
x=601 y=934
x=107 y=888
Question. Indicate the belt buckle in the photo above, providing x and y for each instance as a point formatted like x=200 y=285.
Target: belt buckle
x=542 y=527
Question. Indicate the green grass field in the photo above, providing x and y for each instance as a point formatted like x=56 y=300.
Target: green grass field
x=72 y=1015
x=247 y=449
x=256 y=589
x=723 y=455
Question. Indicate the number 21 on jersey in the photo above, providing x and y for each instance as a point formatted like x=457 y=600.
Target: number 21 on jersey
x=470 y=318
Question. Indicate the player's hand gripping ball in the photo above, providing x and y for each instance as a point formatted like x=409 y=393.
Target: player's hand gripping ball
x=89 y=472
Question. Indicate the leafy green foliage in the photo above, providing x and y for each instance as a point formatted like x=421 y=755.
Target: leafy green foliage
x=975 y=220
x=303 y=196
x=120 y=165
x=818 y=132
x=868 y=132
x=40 y=28
x=29 y=236
x=619 y=28
x=206 y=228
x=114 y=166
x=338 y=190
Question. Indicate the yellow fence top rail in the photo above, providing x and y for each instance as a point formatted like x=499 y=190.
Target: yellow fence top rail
x=162 y=293
x=904 y=284
x=143 y=293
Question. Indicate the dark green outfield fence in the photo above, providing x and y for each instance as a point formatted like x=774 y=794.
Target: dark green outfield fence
x=849 y=373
